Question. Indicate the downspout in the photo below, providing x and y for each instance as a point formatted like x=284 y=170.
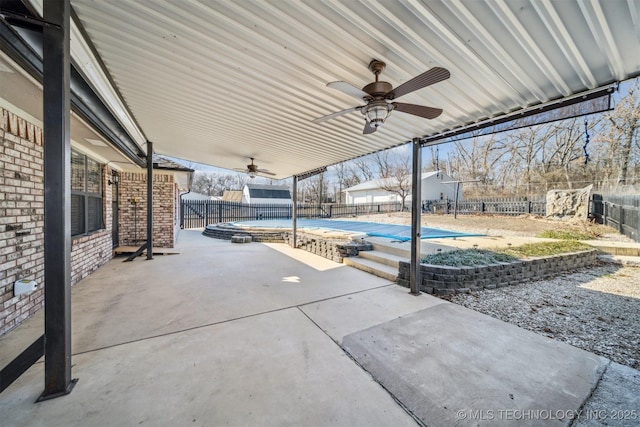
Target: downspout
x=182 y=210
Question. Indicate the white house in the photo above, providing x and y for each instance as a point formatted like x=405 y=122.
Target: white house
x=266 y=194
x=192 y=195
x=433 y=188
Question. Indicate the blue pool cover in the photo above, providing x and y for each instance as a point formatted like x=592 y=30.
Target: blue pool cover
x=374 y=229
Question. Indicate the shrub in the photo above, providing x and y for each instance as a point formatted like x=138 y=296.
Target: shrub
x=467 y=257
x=471 y=257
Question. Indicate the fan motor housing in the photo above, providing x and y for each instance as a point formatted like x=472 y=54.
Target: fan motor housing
x=377 y=88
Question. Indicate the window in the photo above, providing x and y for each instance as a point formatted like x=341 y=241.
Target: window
x=86 y=194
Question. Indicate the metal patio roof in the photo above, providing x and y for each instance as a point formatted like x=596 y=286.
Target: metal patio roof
x=220 y=81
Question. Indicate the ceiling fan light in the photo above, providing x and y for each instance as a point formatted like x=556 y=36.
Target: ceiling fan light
x=377 y=112
x=252 y=174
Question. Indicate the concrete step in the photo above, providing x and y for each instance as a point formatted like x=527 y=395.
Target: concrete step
x=393 y=250
x=616 y=248
x=373 y=267
x=383 y=258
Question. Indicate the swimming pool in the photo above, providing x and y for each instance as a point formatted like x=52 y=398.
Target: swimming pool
x=374 y=229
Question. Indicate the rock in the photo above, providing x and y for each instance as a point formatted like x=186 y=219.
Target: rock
x=565 y=204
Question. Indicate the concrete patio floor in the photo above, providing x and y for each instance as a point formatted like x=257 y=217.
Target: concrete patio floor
x=260 y=334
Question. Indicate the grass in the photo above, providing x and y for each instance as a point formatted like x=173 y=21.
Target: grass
x=472 y=257
x=566 y=235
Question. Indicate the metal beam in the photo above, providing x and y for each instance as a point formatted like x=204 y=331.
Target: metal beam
x=588 y=102
x=84 y=101
x=149 y=200
x=416 y=212
x=20 y=364
x=294 y=236
x=57 y=201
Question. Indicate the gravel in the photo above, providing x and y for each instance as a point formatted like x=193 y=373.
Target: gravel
x=596 y=309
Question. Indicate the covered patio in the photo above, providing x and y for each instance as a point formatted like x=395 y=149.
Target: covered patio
x=222 y=82
x=262 y=334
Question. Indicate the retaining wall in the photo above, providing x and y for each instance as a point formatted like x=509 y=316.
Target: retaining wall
x=333 y=249
x=445 y=280
x=257 y=235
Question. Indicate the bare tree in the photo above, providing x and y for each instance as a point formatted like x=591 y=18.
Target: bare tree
x=347 y=177
x=480 y=159
x=434 y=161
x=399 y=179
x=203 y=183
x=527 y=145
x=214 y=184
x=623 y=130
x=363 y=168
x=239 y=181
x=316 y=188
x=383 y=163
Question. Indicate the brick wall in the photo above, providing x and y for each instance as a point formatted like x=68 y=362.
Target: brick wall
x=133 y=209
x=22 y=222
x=21 y=217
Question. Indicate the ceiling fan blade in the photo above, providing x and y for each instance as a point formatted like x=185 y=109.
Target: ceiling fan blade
x=417 y=110
x=349 y=89
x=266 y=172
x=240 y=169
x=336 y=114
x=429 y=77
x=368 y=129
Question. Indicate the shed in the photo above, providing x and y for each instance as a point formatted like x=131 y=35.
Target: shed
x=266 y=194
x=433 y=188
x=232 y=196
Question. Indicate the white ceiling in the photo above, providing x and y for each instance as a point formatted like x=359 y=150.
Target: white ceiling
x=22 y=95
x=220 y=81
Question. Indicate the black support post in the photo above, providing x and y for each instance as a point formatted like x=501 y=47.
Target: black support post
x=416 y=215
x=57 y=201
x=150 y=200
x=294 y=233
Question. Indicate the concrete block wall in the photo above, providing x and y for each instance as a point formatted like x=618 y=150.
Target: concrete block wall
x=226 y=233
x=133 y=209
x=445 y=280
x=332 y=249
x=326 y=248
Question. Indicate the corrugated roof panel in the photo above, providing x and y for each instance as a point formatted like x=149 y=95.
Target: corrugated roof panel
x=218 y=81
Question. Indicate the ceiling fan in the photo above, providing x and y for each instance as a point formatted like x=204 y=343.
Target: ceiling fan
x=379 y=95
x=252 y=170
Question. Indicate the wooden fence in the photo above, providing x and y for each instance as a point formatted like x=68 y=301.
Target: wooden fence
x=619 y=212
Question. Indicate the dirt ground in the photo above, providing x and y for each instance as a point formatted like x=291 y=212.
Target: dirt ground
x=524 y=225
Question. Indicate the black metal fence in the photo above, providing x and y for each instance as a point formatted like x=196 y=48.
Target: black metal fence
x=199 y=213
x=496 y=206
x=619 y=212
